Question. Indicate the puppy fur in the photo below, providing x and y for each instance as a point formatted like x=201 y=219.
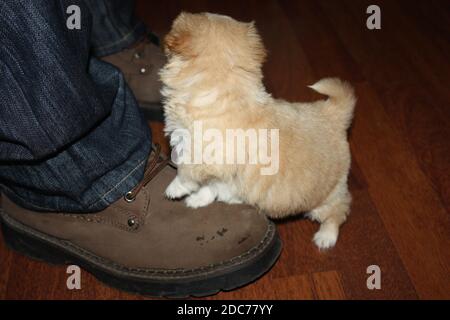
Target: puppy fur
x=214 y=74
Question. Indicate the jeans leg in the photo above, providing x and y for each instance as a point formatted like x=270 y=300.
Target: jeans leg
x=114 y=25
x=71 y=135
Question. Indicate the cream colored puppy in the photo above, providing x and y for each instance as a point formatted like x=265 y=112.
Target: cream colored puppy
x=213 y=75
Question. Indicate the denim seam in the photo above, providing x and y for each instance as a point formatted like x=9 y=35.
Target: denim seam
x=118 y=41
x=102 y=198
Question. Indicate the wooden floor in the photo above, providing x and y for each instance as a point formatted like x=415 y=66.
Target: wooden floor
x=400 y=140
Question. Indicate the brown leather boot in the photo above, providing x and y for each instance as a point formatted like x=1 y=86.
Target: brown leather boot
x=147 y=244
x=140 y=65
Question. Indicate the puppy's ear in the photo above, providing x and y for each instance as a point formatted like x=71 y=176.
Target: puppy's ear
x=178 y=41
x=256 y=43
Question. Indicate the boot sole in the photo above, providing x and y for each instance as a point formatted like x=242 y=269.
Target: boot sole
x=43 y=247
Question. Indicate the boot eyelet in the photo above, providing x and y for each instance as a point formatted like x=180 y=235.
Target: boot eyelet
x=143 y=71
x=129 y=197
x=133 y=223
x=137 y=55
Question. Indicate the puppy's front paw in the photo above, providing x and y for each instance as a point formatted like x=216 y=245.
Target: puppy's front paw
x=201 y=198
x=176 y=189
x=325 y=238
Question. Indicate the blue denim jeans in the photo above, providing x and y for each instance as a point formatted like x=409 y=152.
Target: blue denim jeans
x=71 y=135
x=114 y=25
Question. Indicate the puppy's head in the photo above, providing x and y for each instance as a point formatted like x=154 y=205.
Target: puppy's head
x=216 y=40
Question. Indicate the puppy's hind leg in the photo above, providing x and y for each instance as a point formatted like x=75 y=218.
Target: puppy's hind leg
x=331 y=214
x=227 y=192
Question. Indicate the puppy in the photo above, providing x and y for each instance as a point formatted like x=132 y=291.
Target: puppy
x=213 y=76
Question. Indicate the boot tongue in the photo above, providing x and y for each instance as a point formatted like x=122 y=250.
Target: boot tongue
x=157 y=161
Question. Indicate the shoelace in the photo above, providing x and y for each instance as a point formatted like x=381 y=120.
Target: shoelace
x=154 y=166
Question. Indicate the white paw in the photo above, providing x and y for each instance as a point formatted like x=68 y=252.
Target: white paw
x=176 y=189
x=308 y=215
x=325 y=238
x=201 y=198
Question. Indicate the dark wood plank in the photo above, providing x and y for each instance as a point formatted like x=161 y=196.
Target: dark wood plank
x=328 y=285
x=5 y=266
x=290 y=288
x=407 y=131
x=410 y=209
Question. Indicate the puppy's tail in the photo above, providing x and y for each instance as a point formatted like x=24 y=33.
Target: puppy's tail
x=341 y=102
